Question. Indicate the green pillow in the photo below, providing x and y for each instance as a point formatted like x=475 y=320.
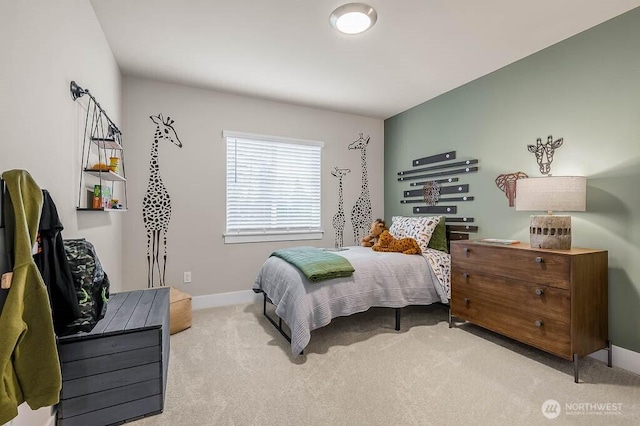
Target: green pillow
x=438 y=240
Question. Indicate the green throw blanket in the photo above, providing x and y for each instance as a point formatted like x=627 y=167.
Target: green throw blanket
x=316 y=264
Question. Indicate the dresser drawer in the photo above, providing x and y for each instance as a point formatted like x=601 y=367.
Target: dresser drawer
x=527 y=297
x=535 y=266
x=548 y=334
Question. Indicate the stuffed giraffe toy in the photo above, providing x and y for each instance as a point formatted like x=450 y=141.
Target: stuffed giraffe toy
x=380 y=239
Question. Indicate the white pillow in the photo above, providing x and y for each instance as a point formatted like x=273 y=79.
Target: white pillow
x=420 y=228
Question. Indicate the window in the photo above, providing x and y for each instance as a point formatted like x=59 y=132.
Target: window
x=273 y=188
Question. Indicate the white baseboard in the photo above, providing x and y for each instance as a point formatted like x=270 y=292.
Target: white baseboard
x=623 y=358
x=224 y=299
x=45 y=416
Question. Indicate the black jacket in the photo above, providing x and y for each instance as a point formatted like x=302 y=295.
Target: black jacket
x=54 y=267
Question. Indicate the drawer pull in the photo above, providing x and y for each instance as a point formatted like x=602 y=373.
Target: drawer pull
x=539 y=259
x=465 y=274
x=539 y=291
x=466 y=249
x=466 y=301
x=538 y=323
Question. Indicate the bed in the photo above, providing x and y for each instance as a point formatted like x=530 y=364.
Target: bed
x=380 y=279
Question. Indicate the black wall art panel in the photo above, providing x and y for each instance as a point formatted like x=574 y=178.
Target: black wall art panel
x=431 y=182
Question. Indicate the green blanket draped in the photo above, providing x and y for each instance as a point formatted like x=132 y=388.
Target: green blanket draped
x=316 y=264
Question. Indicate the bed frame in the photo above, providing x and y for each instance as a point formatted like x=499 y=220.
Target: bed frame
x=278 y=324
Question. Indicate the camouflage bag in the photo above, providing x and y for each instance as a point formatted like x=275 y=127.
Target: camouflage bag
x=91 y=282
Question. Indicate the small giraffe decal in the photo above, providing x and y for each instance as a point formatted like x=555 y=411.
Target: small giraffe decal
x=361 y=211
x=156 y=206
x=338 y=218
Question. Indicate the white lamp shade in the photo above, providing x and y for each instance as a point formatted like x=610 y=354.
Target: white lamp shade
x=552 y=193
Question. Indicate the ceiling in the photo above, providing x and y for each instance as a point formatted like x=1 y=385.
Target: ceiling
x=285 y=50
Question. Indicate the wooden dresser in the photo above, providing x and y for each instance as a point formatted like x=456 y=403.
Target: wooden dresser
x=555 y=300
x=118 y=371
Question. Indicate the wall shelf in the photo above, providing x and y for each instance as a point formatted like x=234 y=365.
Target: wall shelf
x=85 y=209
x=107 y=175
x=102 y=178
x=107 y=143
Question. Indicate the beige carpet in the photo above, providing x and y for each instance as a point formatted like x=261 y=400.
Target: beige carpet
x=233 y=368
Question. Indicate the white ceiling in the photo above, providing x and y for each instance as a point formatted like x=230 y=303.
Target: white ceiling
x=286 y=50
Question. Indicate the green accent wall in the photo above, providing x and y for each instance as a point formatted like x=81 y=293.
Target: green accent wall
x=585 y=89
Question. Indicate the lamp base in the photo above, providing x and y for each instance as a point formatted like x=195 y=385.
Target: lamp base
x=550 y=232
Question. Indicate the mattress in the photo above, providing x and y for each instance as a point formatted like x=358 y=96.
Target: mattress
x=381 y=279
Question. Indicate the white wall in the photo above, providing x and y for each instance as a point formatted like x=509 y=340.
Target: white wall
x=44 y=46
x=195 y=177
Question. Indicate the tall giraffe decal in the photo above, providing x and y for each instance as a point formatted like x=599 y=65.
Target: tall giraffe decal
x=338 y=218
x=361 y=211
x=156 y=206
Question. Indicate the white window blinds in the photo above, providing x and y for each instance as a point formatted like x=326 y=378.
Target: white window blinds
x=273 y=187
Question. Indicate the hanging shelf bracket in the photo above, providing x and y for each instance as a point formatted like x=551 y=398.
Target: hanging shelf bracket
x=78 y=92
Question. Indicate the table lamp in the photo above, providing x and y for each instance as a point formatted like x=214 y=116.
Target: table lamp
x=551 y=193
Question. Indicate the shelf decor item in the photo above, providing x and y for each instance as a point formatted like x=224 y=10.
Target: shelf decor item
x=113 y=164
x=96 y=201
x=500 y=241
x=551 y=193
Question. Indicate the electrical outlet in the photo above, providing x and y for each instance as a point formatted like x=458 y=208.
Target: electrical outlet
x=187 y=277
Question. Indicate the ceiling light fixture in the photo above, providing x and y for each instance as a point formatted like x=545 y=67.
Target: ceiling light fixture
x=353 y=18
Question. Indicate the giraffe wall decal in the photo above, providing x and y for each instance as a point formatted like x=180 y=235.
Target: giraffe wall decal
x=361 y=211
x=338 y=218
x=156 y=206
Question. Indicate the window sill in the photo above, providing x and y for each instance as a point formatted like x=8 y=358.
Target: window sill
x=264 y=237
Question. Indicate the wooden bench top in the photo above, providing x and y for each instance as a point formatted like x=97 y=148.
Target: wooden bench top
x=128 y=312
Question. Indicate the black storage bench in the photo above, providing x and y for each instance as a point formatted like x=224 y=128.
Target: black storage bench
x=118 y=371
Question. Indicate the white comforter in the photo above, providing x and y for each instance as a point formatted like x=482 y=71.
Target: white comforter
x=380 y=279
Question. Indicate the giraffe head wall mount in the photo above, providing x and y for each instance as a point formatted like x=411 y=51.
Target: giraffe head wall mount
x=544 y=152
